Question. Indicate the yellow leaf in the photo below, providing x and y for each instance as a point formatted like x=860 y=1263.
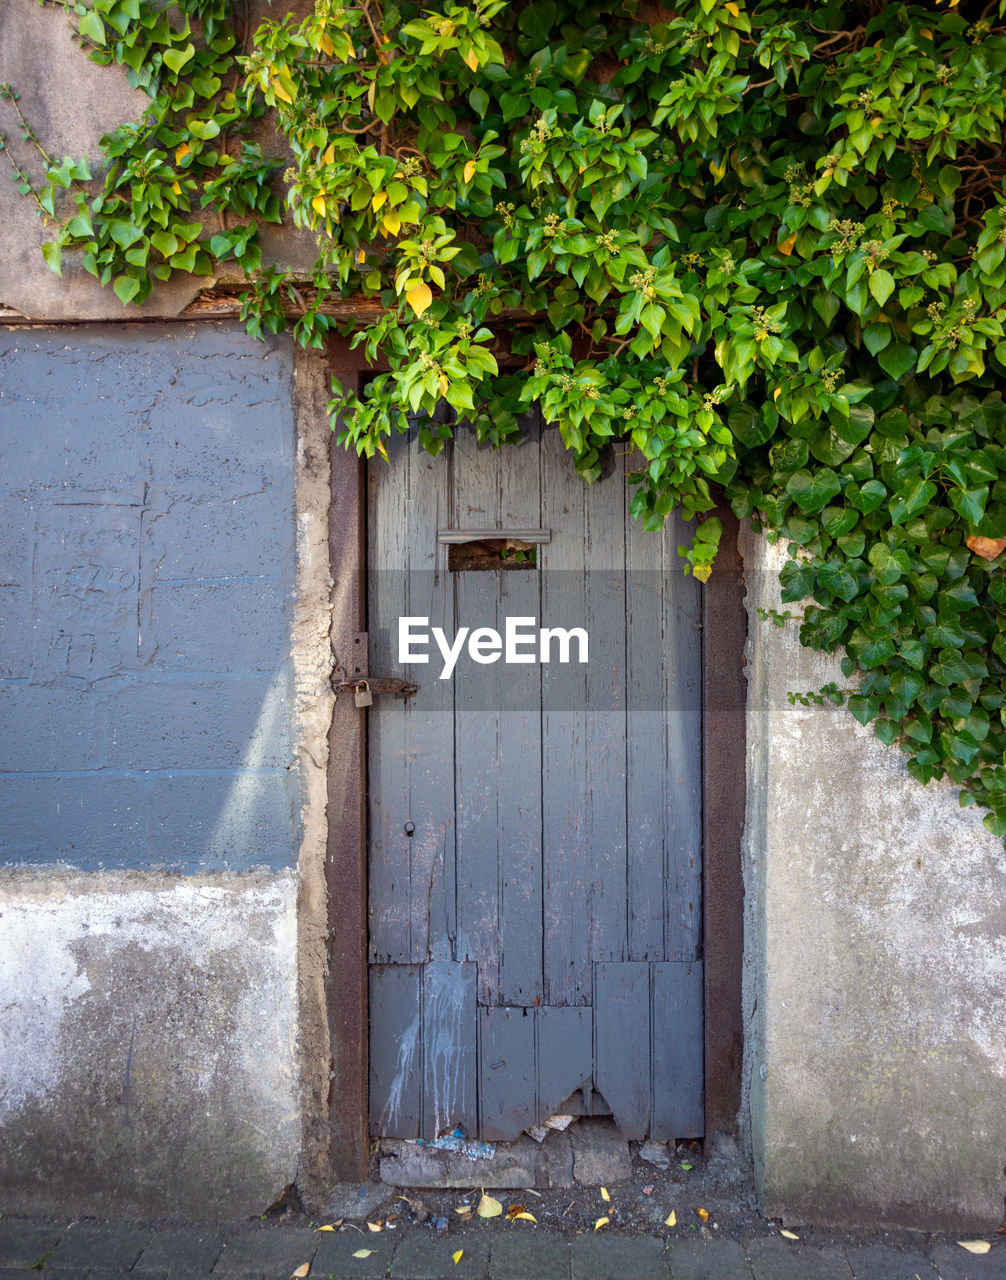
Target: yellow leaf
x=279 y=91
x=732 y=8
x=419 y=299
x=462 y=1209
x=471 y=58
x=330 y=1226
x=776 y=393
x=181 y=152
x=444 y=385
x=671 y=1220
x=457 y=1255
x=176 y=189
x=328 y=155
x=926 y=32
x=364 y=1253
x=361 y=257
x=524 y=1217
x=786 y=247
x=604 y=1195
x=788 y=1235
x=703 y=1214
x=318 y=205
x=469 y=170
x=718 y=171
x=392 y=223
x=514 y=1209
x=374 y=1226
x=370 y=94
x=326 y=44
x=601 y=1222
x=378 y=198
x=975 y=1246
x=301 y=1271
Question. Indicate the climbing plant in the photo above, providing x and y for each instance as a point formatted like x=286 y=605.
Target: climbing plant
x=760 y=247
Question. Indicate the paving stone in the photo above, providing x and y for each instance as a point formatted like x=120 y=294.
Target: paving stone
x=955 y=1263
x=544 y=1255
x=778 y=1259
x=112 y=1248
x=707 y=1260
x=882 y=1262
x=554 y=1165
x=181 y=1249
x=335 y=1256
x=351 y=1200
x=269 y=1252
x=600 y=1153
x=25 y=1244
x=609 y=1258
x=424 y=1257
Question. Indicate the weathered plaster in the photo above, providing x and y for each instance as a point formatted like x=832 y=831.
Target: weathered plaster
x=71 y=102
x=148 y=1043
x=312 y=653
x=875 y=962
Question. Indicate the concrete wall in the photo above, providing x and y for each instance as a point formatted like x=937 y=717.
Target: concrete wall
x=158 y=669
x=875 y=959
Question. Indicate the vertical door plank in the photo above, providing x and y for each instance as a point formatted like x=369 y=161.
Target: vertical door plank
x=682 y=786
x=507 y=1075
x=395 y=1050
x=449 y=1037
x=565 y=1055
x=390 y=913
x=429 y=801
x=604 y=597
x=564 y=776
x=678 y=1078
x=476 y=505
x=622 y=1043
x=646 y=739
x=520 y=798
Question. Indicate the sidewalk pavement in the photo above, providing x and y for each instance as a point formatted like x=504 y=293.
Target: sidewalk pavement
x=102 y=1251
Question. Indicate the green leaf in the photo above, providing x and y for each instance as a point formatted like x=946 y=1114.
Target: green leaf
x=897 y=360
x=126 y=287
x=92 y=27
x=52 y=254
x=881 y=285
x=813 y=490
x=177 y=58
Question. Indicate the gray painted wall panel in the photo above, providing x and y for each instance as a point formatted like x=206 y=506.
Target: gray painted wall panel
x=146 y=592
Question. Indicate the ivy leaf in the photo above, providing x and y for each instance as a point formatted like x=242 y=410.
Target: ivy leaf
x=897 y=359
x=419 y=297
x=813 y=490
x=881 y=285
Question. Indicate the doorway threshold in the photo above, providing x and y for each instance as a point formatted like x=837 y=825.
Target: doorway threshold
x=590 y=1153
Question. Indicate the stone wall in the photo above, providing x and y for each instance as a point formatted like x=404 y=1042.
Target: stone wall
x=157 y=677
x=876 y=962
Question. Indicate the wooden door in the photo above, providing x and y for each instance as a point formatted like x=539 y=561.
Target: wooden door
x=534 y=827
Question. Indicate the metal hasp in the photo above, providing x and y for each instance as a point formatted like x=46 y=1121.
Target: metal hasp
x=376 y=684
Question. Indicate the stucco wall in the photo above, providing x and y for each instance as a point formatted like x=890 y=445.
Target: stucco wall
x=163 y=715
x=875 y=962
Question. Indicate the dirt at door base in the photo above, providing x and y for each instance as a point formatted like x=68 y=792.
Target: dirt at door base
x=590 y=1153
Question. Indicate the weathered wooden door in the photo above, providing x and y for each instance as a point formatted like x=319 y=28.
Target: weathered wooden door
x=535 y=827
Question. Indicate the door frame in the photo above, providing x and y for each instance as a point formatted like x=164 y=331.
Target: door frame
x=724 y=692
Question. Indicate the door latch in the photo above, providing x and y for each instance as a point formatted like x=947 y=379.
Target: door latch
x=364 y=688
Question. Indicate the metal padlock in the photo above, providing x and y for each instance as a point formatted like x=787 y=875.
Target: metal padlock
x=362 y=695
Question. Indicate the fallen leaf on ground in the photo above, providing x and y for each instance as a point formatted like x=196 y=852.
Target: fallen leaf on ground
x=488 y=1207
x=975 y=1246
x=686 y=1167
x=364 y=1253
x=330 y=1226
x=374 y=1226
x=457 y=1255
x=604 y=1194
x=703 y=1214
x=647 y=1191
x=524 y=1217
x=462 y=1209
x=301 y=1271
x=671 y=1220
x=788 y=1235
x=601 y=1222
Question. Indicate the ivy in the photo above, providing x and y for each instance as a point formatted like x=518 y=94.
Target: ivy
x=759 y=246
